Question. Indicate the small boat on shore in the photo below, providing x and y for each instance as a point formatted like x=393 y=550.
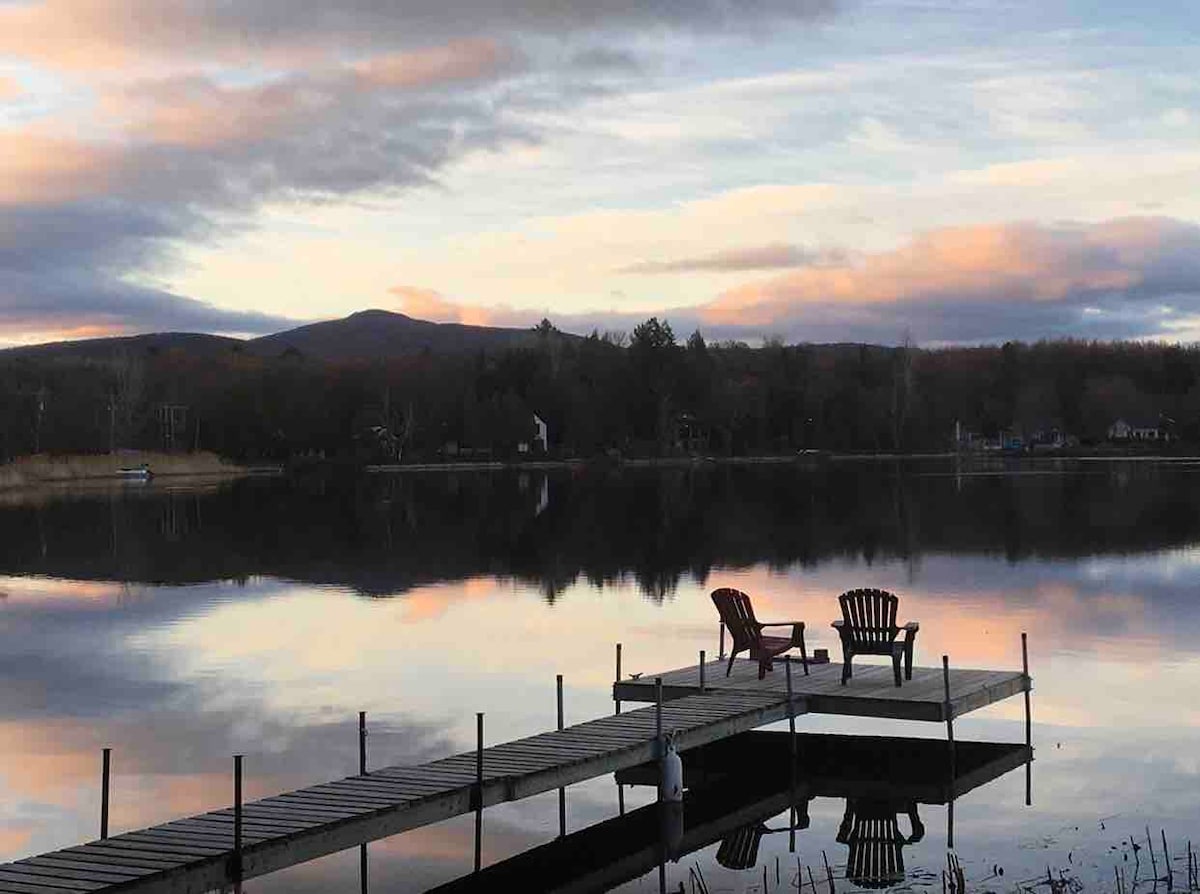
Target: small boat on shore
x=136 y=473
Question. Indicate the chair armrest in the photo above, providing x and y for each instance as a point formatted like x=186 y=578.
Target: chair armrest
x=838 y=625
x=912 y=626
x=799 y=624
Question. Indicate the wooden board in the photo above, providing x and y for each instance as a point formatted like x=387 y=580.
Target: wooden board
x=871 y=692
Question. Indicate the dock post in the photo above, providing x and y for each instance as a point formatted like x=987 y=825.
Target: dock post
x=1028 y=720
x=478 y=790
x=787 y=664
x=1025 y=674
x=105 y=767
x=362 y=743
x=562 y=792
x=658 y=695
x=237 y=821
x=701 y=670
x=362 y=869
x=621 y=799
x=948 y=709
x=792 y=763
x=617 y=700
x=721 y=654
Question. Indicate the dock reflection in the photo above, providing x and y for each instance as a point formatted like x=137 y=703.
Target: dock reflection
x=738 y=787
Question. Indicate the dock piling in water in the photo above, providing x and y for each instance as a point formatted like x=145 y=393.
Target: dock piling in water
x=617 y=700
x=791 y=708
x=105 y=766
x=237 y=820
x=362 y=743
x=1028 y=719
x=478 y=794
x=562 y=792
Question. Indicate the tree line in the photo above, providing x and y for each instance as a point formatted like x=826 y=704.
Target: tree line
x=645 y=393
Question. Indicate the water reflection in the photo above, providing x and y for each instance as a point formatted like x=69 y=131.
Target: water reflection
x=738 y=786
x=181 y=627
x=388 y=535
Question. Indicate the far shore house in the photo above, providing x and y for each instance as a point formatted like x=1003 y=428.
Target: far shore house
x=541 y=437
x=1143 y=430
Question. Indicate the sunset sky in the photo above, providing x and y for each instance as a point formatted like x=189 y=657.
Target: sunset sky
x=816 y=170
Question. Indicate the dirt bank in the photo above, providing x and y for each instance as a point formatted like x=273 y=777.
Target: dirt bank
x=35 y=471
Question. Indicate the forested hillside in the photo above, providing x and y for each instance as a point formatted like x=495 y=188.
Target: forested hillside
x=645 y=394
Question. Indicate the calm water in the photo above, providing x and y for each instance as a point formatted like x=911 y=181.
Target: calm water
x=180 y=626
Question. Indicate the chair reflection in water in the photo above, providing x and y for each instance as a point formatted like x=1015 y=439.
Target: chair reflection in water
x=871 y=829
x=739 y=849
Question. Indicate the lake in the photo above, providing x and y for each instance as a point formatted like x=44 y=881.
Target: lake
x=180 y=625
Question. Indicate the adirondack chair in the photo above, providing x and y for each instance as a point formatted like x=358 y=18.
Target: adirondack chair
x=737 y=614
x=868 y=627
x=871 y=829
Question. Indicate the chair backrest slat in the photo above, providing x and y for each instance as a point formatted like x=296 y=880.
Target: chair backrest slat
x=734 y=608
x=870 y=615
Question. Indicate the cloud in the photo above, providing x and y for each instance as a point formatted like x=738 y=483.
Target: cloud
x=77 y=216
x=1123 y=278
x=96 y=34
x=427 y=304
x=1127 y=277
x=762 y=257
x=461 y=60
x=9 y=88
x=62 y=272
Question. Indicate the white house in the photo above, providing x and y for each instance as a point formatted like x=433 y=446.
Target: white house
x=541 y=437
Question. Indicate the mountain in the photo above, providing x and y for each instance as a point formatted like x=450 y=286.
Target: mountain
x=367 y=335
x=195 y=343
x=381 y=334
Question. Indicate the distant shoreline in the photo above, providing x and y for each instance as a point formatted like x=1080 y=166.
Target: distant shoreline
x=42 y=471
x=805 y=458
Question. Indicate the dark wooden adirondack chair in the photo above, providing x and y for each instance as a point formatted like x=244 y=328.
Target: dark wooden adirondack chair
x=868 y=627
x=737 y=614
x=871 y=829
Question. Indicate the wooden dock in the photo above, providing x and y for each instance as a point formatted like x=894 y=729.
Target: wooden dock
x=197 y=854
x=869 y=693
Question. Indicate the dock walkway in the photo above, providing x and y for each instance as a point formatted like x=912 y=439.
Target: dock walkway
x=196 y=854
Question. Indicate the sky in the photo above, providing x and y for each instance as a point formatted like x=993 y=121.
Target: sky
x=809 y=170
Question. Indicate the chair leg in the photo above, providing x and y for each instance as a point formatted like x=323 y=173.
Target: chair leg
x=846 y=673
x=896 y=667
x=803 y=654
x=729 y=667
x=908 y=657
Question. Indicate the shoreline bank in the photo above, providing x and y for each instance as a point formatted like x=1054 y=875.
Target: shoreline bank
x=32 y=472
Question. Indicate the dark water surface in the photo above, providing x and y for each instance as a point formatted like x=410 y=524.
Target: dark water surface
x=181 y=625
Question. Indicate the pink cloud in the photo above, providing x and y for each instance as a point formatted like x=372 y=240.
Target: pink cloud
x=1124 y=278
x=426 y=304
x=9 y=88
x=460 y=60
x=1011 y=262
x=37 y=168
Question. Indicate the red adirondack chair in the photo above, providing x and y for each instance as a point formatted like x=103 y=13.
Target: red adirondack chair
x=737 y=614
x=868 y=627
